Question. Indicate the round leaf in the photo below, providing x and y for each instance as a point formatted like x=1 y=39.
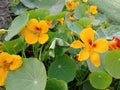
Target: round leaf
x=38 y=13
x=100 y=80
x=54 y=84
x=73 y=26
x=55 y=6
x=13 y=46
x=31 y=76
x=112 y=63
x=17 y=25
x=63 y=68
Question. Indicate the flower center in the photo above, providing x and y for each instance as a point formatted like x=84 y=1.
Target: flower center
x=38 y=29
x=6 y=65
x=94 y=45
x=90 y=42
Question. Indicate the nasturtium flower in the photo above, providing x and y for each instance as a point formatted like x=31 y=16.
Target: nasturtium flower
x=70 y=5
x=35 y=31
x=85 y=1
x=90 y=47
x=93 y=9
x=8 y=62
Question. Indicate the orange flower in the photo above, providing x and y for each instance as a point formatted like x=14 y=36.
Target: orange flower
x=36 y=31
x=90 y=47
x=8 y=62
x=70 y=5
x=93 y=9
x=114 y=44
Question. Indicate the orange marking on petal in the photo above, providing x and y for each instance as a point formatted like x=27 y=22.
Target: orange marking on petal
x=94 y=45
x=90 y=42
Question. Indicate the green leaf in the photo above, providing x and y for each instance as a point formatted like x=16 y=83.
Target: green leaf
x=62 y=68
x=110 y=32
x=17 y=25
x=57 y=16
x=31 y=76
x=38 y=13
x=73 y=51
x=110 y=8
x=18 y=9
x=80 y=11
x=101 y=17
x=30 y=3
x=100 y=80
x=87 y=86
x=82 y=72
x=60 y=50
x=54 y=84
x=112 y=63
x=1 y=88
x=14 y=46
x=84 y=22
x=96 y=22
x=55 y=6
x=73 y=26
x=118 y=87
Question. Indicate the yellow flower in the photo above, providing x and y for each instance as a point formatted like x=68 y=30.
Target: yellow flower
x=8 y=62
x=93 y=9
x=70 y=5
x=61 y=20
x=85 y=1
x=16 y=62
x=36 y=31
x=90 y=47
x=3 y=75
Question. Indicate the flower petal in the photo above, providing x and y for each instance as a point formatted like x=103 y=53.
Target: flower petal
x=24 y=32
x=76 y=44
x=95 y=59
x=3 y=75
x=100 y=45
x=43 y=38
x=16 y=62
x=4 y=57
x=30 y=37
x=44 y=26
x=83 y=55
x=32 y=24
x=87 y=35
